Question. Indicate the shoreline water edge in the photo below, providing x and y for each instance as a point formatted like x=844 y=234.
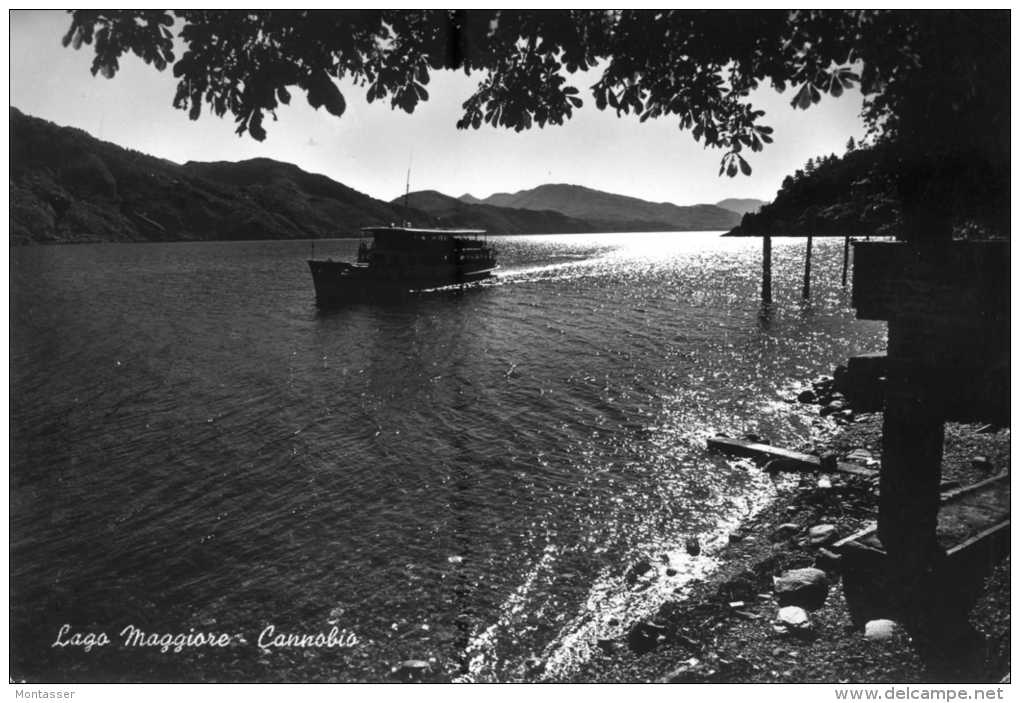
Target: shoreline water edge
x=728 y=625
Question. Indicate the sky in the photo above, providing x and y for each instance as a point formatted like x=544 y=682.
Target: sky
x=371 y=147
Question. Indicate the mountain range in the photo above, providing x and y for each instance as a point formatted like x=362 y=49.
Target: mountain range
x=67 y=186
x=611 y=212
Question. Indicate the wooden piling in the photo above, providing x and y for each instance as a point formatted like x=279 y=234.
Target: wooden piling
x=908 y=504
x=846 y=257
x=766 y=269
x=807 y=270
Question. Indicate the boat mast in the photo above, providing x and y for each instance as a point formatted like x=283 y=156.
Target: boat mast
x=407 y=192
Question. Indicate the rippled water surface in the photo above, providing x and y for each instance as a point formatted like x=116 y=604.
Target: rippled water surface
x=462 y=476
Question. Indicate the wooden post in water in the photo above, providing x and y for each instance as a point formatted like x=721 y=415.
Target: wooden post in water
x=766 y=269
x=807 y=270
x=846 y=257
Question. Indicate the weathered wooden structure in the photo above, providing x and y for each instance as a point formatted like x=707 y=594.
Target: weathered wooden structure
x=947 y=307
x=973 y=523
x=973 y=533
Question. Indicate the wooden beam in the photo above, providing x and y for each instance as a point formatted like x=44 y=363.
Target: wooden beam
x=766 y=269
x=796 y=461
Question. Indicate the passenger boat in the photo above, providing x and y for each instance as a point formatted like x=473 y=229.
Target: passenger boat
x=402 y=259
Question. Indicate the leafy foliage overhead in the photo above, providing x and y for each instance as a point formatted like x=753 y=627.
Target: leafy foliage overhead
x=935 y=82
x=696 y=66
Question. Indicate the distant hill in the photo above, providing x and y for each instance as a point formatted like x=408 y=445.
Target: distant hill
x=67 y=186
x=608 y=211
x=741 y=205
x=452 y=212
x=851 y=195
x=856 y=195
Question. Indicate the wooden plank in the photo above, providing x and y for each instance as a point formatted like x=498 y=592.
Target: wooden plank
x=974 y=487
x=797 y=460
x=864 y=543
x=1000 y=528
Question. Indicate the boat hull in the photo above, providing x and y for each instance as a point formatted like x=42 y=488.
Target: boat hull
x=338 y=282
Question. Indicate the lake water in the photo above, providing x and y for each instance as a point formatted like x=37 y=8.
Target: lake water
x=464 y=476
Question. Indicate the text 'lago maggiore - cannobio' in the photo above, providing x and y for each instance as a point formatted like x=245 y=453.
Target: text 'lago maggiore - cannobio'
x=268 y=638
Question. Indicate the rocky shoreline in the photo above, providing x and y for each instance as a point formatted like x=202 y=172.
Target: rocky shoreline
x=776 y=610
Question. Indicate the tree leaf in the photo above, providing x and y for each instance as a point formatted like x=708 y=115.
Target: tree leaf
x=802 y=99
x=322 y=92
x=255 y=128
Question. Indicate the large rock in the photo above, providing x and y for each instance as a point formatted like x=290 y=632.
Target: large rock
x=806 y=397
x=645 y=636
x=821 y=534
x=792 y=619
x=806 y=588
x=413 y=670
x=880 y=630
